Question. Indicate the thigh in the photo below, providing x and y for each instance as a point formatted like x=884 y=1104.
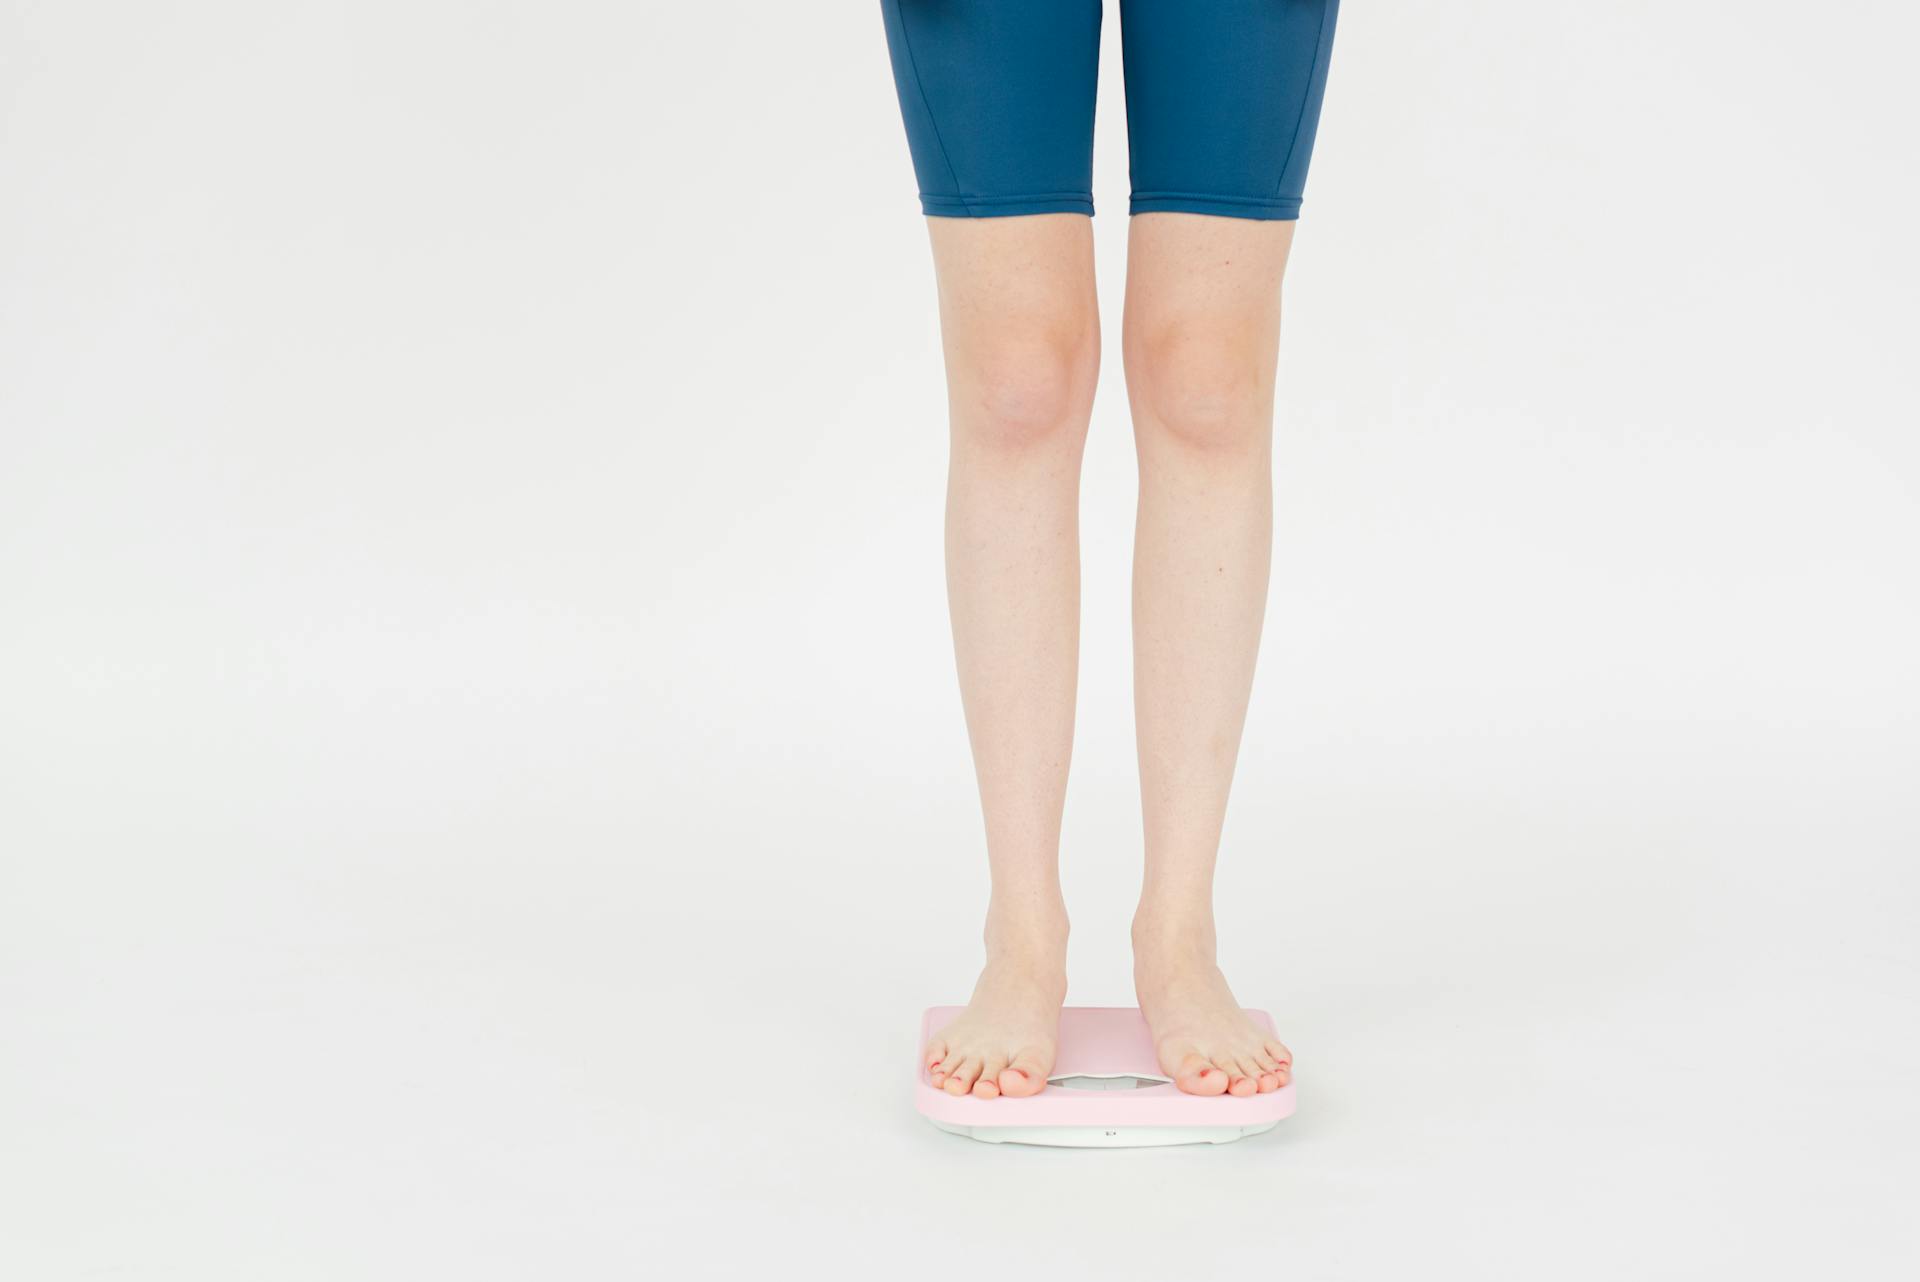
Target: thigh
x=998 y=100
x=1223 y=99
x=1186 y=268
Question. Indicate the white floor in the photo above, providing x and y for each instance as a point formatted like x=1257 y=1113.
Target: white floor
x=412 y=1045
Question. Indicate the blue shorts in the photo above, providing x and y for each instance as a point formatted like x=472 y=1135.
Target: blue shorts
x=1223 y=97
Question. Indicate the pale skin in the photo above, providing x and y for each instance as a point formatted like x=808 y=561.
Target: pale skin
x=1200 y=340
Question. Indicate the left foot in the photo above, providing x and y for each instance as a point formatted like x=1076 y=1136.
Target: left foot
x=1205 y=1042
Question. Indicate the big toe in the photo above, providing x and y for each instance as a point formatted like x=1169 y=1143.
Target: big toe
x=1198 y=1076
x=1026 y=1075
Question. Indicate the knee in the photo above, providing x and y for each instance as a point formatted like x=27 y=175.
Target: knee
x=1027 y=387
x=1205 y=387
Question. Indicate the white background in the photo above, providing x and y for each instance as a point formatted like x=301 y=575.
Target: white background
x=482 y=790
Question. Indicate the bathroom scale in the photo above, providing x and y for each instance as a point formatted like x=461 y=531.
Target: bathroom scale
x=1106 y=1091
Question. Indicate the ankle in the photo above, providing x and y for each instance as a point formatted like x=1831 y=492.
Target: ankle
x=1028 y=929
x=1169 y=929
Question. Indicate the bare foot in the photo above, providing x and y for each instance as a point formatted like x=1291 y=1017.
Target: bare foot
x=1205 y=1042
x=1004 y=1042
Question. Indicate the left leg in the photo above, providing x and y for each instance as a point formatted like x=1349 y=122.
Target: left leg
x=1200 y=341
x=1223 y=100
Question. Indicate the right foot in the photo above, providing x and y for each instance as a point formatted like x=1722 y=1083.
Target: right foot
x=1004 y=1042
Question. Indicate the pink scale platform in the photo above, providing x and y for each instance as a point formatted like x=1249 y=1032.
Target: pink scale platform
x=1106 y=1091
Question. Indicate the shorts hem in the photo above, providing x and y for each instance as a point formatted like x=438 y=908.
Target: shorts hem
x=1005 y=206
x=1181 y=202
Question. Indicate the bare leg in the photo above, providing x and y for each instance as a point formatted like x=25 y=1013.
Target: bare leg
x=1201 y=342
x=1020 y=328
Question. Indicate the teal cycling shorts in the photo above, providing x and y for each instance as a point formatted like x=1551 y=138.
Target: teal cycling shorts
x=1223 y=97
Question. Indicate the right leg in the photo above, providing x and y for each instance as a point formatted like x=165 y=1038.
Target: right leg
x=998 y=98
x=1020 y=329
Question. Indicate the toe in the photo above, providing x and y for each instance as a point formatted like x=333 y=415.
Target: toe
x=1015 y=1084
x=1026 y=1075
x=1198 y=1077
x=936 y=1054
x=989 y=1084
x=960 y=1081
x=1242 y=1086
x=1269 y=1082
